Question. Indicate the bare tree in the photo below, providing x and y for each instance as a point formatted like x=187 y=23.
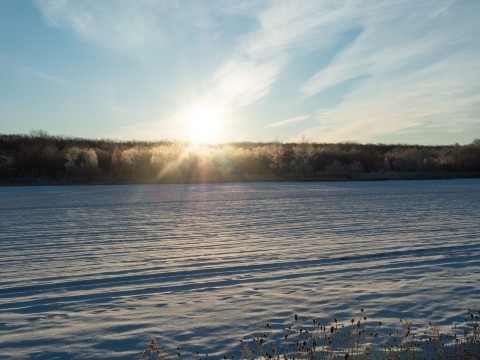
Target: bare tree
x=39 y=134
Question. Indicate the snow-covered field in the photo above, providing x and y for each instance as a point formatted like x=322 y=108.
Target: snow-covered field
x=96 y=271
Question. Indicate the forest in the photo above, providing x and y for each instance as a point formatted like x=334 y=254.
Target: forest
x=41 y=159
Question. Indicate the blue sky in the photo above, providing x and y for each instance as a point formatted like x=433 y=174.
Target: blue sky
x=367 y=71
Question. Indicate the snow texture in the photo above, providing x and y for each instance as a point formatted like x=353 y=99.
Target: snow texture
x=96 y=271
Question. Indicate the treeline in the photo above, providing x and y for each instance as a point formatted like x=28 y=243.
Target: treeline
x=40 y=158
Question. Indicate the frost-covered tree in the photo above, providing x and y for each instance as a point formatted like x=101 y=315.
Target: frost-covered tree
x=303 y=153
x=276 y=154
x=137 y=162
x=165 y=154
x=81 y=161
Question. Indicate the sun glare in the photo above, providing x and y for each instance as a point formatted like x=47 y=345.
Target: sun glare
x=203 y=124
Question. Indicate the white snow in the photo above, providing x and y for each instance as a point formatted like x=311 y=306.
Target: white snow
x=96 y=271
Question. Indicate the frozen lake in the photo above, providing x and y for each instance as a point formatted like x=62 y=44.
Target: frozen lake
x=96 y=271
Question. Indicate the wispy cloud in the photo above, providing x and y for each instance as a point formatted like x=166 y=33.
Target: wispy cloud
x=240 y=83
x=419 y=64
x=16 y=66
x=40 y=74
x=438 y=97
x=293 y=27
x=396 y=39
x=239 y=7
x=288 y=121
x=116 y=24
x=414 y=65
x=260 y=56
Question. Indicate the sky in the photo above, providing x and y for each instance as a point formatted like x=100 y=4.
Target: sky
x=393 y=71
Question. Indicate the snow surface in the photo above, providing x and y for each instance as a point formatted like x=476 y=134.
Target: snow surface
x=96 y=271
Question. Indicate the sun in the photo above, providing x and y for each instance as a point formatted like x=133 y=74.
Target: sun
x=203 y=124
